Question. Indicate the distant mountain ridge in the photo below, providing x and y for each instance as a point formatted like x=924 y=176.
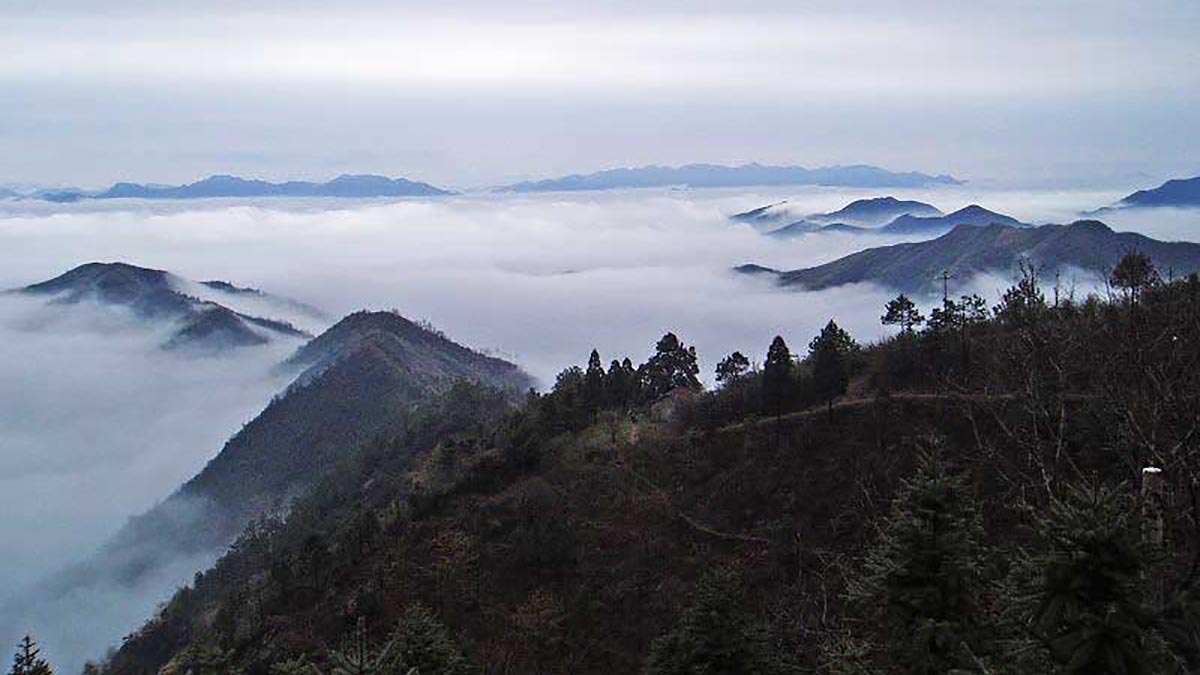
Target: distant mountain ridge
x=345 y=186
x=878 y=215
x=156 y=296
x=968 y=250
x=745 y=175
x=1182 y=192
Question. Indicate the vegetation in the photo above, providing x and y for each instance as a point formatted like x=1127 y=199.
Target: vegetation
x=995 y=490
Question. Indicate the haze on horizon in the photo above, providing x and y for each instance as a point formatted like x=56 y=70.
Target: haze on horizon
x=471 y=93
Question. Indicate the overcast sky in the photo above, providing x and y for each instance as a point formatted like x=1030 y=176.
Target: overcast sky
x=473 y=93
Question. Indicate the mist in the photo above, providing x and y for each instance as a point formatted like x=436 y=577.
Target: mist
x=97 y=424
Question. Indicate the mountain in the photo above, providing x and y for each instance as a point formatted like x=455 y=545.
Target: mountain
x=359 y=379
x=967 y=250
x=1180 y=192
x=876 y=211
x=968 y=215
x=715 y=176
x=856 y=217
x=361 y=186
x=157 y=296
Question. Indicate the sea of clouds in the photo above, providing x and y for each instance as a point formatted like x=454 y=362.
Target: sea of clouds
x=97 y=424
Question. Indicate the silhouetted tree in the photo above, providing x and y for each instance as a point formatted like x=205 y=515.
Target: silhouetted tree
x=901 y=311
x=830 y=353
x=593 y=384
x=423 y=643
x=1134 y=273
x=673 y=365
x=731 y=368
x=28 y=660
x=778 y=376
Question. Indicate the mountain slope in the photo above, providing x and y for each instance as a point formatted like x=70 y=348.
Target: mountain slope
x=363 y=186
x=361 y=377
x=715 y=175
x=969 y=250
x=1180 y=192
x=968 y=215
x=156 y=296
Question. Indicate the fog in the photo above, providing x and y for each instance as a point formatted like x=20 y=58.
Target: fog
x=97 y=424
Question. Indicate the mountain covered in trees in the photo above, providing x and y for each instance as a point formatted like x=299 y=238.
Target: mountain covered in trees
x=717 y=176
x=363 y=378
x=160 y=298
x=346 y=185
x=1004 y=489
x=969 y=250
x=1181 y=192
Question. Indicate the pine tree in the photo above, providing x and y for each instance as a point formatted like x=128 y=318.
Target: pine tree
x=830 y=353
x=1083 y=601
x=731 y=368
x=778 y=376
x=711 y=636
x=918 y=600
x=424 y=644
x=593 y=383
x=28 y=661
x=901 y=311
x=673 y=365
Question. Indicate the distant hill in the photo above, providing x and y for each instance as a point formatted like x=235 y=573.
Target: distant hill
x=358 y=380
x=349 y=186
x=1182 y=192
x=968 y=250
x=969 y=215
x=876 y=211
x=715 y=175
x=856 y=217
x=157 y=296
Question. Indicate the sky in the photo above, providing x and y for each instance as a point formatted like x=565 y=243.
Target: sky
x=469 y=94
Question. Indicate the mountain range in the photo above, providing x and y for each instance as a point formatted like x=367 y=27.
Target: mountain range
x=968 y=250
x=160 y=298
x=348 y=186
x=716 y=176
x=879 y=215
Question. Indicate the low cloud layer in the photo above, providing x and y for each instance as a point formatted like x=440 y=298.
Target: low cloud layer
x=98 y=425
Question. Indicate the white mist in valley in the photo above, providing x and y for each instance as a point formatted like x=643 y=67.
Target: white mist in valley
x=97 y=423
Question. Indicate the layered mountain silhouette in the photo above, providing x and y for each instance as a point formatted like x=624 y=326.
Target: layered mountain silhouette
x=716 y=175
x=969 y=215
x=157 y=296
x=970 y=249
x=1182 y=192
x=358 y=185
x=356 y=381
x=879 y=215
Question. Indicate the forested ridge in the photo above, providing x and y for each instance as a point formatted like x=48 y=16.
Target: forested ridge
x=1007 y=488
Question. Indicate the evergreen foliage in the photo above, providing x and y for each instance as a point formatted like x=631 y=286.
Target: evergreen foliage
x=28 y=660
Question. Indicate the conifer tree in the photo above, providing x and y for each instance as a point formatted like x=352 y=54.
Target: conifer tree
x=711 y=636
x=731 y=368
x=28 y=660
x=593 y=383
x=901 y=311
x=424 y=644
x=673 y=365
x=918 y=599
x=1083 y=601
x=778 y=376
x=830 y=355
